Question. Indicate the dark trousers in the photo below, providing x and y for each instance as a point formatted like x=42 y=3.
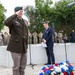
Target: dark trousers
x=50 y=55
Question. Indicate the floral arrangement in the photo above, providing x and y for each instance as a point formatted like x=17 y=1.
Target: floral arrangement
x=61 y=68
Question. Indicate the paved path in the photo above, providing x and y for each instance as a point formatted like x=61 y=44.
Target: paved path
x=29 y=70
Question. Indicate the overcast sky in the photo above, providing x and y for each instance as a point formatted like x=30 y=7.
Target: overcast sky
x=11 y=4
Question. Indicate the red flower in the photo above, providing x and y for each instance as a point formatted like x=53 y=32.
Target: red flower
x=71 y=73
x=56 y=64
x=51 y=67
x=46 y=69
x=54 y=74
x=69 y=64
x=65 y=73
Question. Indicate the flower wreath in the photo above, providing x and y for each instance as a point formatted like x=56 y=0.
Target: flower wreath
x=61 y=68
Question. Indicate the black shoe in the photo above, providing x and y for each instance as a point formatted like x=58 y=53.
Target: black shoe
x=53 y=63
x=47 y=64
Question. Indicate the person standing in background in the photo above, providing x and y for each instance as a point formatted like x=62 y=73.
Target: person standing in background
x=18 y=43
x=6 y=38
x=72 y=35
x=0 y=39
x=65 y=38
x=3 y=39
x=40 y=37
x=48 y=39
x=35 y=40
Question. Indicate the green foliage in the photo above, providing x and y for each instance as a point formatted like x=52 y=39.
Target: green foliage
x=38 y=14
x=2 y=16
x=63 y=17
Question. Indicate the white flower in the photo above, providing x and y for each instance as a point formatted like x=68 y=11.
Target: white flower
x=65 y=63
x=52 y=73
x=57 y=69
x=64 y=67
x=62 y=74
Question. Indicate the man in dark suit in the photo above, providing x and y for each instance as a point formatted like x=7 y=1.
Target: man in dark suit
x=47 y=38
x=18 y=41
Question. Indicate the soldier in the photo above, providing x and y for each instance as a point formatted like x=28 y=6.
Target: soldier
x=40 y=37
x=18 y=43
x=35 y=37
x=65 y=38
x=6 y=38
x=60 y=36
x=29 y=37
x=55 y=36
x=0 y=40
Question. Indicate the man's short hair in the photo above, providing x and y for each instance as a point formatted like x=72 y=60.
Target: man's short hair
x=46 y=22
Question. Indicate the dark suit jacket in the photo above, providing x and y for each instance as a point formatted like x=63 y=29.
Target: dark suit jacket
x=19 y=34
x=47 y=35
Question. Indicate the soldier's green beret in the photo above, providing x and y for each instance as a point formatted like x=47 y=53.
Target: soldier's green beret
x=17 y=8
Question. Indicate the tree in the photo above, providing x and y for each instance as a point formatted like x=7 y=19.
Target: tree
x=2 y=16
x=38 y=14
x=30 y=13
x=65 y=18
x=59 y=14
